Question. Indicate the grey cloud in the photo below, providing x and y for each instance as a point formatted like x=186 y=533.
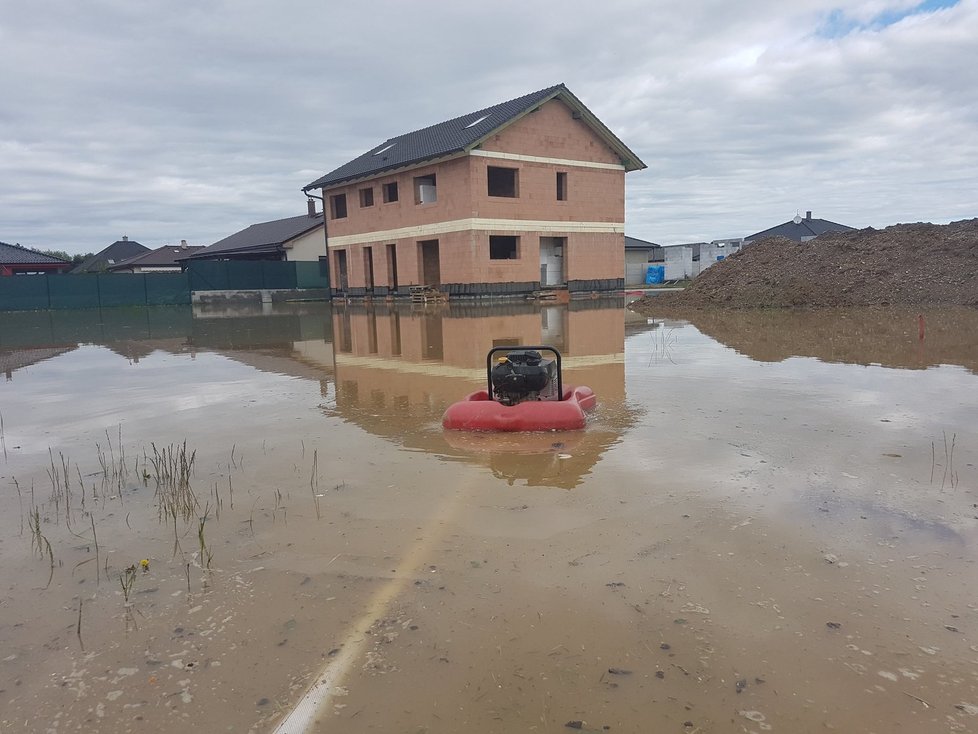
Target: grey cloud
x=190 y=120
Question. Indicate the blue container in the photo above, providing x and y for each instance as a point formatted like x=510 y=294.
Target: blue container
x=655 y=274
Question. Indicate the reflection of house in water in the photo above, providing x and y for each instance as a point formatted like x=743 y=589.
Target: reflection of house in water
x=12 y=360
x=288 y=339
x=398 y=369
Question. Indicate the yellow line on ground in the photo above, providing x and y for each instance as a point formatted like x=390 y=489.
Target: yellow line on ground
x=308 y=711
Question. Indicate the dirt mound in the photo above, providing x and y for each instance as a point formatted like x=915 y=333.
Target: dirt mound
x=906 y=264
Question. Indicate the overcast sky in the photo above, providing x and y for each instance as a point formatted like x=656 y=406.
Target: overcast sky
x=191 y=120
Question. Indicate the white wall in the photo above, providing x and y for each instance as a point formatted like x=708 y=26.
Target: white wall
x=679 y=262
x=309 y=247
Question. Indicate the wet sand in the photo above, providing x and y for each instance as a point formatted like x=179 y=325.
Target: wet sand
x=732 y=545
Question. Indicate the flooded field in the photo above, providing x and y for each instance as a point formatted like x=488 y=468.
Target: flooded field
x=241 y=522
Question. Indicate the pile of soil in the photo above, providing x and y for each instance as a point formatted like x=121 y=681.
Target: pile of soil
x=906 y=264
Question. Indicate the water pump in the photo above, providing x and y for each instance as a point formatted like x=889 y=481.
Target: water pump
x=524 y=374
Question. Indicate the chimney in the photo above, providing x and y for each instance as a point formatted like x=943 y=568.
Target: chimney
x=311 y=204
x=183 y=244
x=808 y=215
x=125 y=238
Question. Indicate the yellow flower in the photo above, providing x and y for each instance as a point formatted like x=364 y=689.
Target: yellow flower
x=144 y=564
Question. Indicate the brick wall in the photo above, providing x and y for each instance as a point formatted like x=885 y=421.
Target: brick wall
x=593 y=195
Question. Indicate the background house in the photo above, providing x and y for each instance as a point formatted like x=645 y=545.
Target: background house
x=161 y=260
x=17 y=260
x=523 y=195
x=291 y=239
x=688 y=260
x=800 y=230
x=115 y=253
x=639 y=254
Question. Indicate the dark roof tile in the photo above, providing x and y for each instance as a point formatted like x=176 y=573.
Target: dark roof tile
x=160 y=257
x=799 y=229
x=115 y=253
x=261 y=237
x=19 y=255
x=463 y=133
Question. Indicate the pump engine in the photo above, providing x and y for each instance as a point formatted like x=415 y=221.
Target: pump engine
x=523 y=374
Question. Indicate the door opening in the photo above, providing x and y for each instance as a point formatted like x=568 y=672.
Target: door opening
x=430 y=266
x=342 y=275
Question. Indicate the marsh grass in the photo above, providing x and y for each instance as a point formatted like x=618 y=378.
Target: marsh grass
x=173 y=469
x=3 y=438
x=127 y=579
x=40 y=543
x=950 y=476
x=206 y=556
x=114 y=471
x=20 y=504
x=314 y=481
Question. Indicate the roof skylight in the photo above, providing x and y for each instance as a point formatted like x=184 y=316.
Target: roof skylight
x=476 y=122
x=385 y=149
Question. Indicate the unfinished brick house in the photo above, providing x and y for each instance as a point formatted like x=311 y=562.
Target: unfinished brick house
x=522 y=196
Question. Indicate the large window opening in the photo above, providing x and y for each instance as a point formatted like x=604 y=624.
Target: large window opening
x=503 y=247
x=390 y=192
x=337 y=206
x=503 y=181
x=425 y=191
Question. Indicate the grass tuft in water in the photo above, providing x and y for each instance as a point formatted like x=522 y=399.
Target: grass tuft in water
x=173 y=468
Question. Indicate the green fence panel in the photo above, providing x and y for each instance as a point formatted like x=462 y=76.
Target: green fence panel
x=208 y=275
x=121 y=289
x=251 y=275
x=24 y=292
x=74 y=291
x=244 y=275
x=310 y=275
x=278 y=274
x=167 y=289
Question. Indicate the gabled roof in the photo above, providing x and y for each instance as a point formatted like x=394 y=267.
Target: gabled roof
x=165 y=256
x=19 y=255
x=263 y=237
x=464 y=133
x=799 y=229
x=634 y=243
x=115 y=253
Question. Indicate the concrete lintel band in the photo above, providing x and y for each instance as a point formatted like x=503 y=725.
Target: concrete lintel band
x=566 y=162
x=426 y=231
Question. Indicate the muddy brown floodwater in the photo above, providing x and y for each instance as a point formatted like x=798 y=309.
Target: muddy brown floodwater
x=768 y=525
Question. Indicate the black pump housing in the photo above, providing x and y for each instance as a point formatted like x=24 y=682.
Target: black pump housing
x=524 y=374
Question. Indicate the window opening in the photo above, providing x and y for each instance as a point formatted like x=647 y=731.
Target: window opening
x=337 y=206
x=425 y=190
x=366 y=197
x=390 y=192
x=561 y=186
x=503 y=247
x=503 y=181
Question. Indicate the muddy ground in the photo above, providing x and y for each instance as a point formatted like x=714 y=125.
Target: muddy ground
x=906 y=265
x=750 y=536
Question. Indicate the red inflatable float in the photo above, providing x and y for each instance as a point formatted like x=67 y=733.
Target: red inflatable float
x=525 y=393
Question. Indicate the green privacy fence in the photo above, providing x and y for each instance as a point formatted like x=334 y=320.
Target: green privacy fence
x=42 y=292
